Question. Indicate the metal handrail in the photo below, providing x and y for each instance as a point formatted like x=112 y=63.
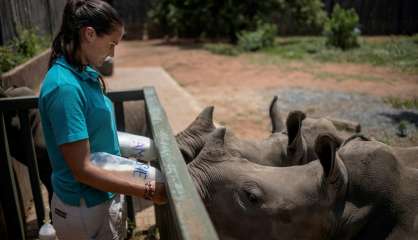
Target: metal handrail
x=186 y=206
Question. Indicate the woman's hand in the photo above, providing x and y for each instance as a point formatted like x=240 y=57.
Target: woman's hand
x=155 y=191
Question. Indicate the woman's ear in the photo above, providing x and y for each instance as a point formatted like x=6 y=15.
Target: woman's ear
x=88 y=34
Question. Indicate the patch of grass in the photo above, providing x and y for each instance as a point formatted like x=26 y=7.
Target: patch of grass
x=386 y=139
x=296 y=47
x=397 y=52
x=222 y=49
x=400 y=53
x=415 y=38
x=341 y=77
x=402 y=103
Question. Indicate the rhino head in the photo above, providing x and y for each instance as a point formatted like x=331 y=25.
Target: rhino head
x=251 y=201
x=191 y=140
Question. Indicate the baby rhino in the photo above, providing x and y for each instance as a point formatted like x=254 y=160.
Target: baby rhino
x=360 y=192
x=251 y=201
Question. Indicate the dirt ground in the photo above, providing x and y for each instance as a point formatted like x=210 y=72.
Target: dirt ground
x=241 y=87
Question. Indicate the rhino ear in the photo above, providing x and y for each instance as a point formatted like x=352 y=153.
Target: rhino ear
x=296 y=146
x=294 y=125
x=275 y=116
x=335 y=173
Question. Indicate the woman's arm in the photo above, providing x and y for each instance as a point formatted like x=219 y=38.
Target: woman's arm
x=77 y=156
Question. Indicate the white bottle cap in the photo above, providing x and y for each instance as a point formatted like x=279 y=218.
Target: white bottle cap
x=47 y=231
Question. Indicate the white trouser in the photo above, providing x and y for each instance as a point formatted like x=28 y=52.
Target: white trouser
x=101 y=222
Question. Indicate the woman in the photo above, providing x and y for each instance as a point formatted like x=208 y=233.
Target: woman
x=78 y=120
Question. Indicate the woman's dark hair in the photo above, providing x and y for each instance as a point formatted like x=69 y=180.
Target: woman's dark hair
x=78 y=14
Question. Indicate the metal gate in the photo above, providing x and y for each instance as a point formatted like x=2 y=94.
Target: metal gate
x=183 y=218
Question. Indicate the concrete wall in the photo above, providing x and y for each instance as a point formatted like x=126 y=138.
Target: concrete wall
x=28 y=74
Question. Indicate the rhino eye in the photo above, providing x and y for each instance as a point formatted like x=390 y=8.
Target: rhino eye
x=252 y=197
x=249 y=195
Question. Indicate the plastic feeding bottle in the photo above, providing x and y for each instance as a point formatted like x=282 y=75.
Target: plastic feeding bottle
x=132 y=169
x=47 y=231
x=139 y=147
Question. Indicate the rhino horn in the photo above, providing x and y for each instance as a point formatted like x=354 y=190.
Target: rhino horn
x=275 y=116
x=214 y=149
x=207 y=114
x=335 y=174
x=192 y=139
x=203 y=121
x=219 y=135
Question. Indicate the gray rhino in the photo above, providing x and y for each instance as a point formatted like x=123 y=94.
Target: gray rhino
x=246 y=200
x=383 y=183
x=361 y=192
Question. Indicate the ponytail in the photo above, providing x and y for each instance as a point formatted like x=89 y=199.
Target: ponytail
x=78 y=14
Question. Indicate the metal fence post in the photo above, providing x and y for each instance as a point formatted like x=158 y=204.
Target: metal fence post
x=120 y=122
x=27 y=140
x=9 y=197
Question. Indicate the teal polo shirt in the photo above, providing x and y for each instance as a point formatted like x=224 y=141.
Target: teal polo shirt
x=73 y=107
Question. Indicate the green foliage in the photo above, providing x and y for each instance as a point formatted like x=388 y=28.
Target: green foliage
x=225 y=19
x=341 y=29
x=402 y=128
x=25 y=46
x=222 y=49
x=302 y=15
x=213 y=19
x=8 y=59
x=28 y=43
x=261 y=38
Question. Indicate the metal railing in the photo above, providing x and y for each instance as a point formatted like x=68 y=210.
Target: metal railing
x=183 y=218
